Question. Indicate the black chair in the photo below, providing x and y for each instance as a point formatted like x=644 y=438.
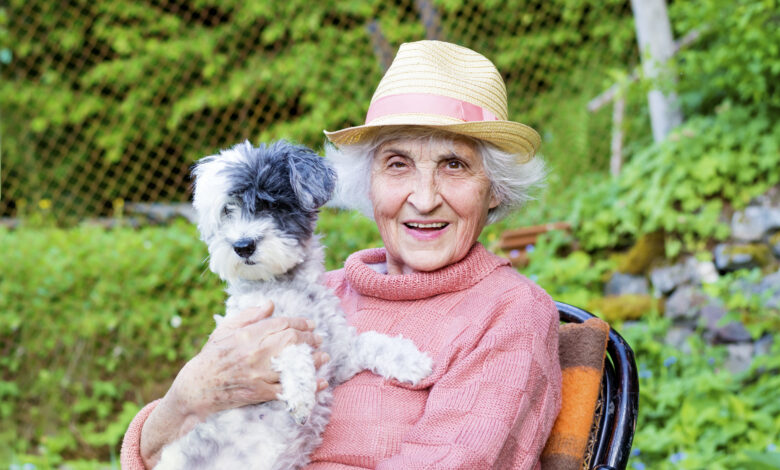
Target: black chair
x=613 y=430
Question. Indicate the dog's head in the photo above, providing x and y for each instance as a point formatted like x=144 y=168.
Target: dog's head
x=257 y=207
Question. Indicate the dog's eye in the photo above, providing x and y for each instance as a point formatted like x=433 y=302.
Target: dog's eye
x=228 y=210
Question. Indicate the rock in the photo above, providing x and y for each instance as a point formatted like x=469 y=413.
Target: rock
x=771 y=198
x=763 y=346
x=623 y=307
x=774 y=243
x=751 y=224
x=648 y=248
x=677 y=337
x=163 y=212
x=706 y=272
x=10 y=223
x=620 y=284
x=731 y=332
x=685 y=303
x=731 y=257
x=769 y=289
x=739 y=358
x=668 y=278
x=111 y=222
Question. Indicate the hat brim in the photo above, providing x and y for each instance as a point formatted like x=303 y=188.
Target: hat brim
x=509 y=136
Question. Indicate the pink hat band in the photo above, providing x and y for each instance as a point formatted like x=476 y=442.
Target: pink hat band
x=425 y=103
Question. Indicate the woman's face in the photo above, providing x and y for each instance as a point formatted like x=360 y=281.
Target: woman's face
x=431 y=199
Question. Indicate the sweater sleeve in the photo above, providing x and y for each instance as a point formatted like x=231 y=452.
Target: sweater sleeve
x=130 y=455
x=494 y=407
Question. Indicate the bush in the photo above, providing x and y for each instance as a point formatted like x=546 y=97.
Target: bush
x=737 y=57
x=683 y=184
x=694 y=413
x=90 y=320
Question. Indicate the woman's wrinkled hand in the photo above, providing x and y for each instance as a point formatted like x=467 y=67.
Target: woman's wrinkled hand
x=234 y=367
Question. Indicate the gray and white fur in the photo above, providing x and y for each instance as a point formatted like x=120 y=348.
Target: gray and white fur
x=257 y=208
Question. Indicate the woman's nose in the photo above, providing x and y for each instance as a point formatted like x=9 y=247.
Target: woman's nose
x=424 y=195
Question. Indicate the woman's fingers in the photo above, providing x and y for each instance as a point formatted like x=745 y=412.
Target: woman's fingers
x=279 y=324
x=251 y=315
x=320 y=358
x=322 y=384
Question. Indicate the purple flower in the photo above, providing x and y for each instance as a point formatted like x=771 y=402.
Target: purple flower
x=669 y=361
x=639 y=465
x=676 y=457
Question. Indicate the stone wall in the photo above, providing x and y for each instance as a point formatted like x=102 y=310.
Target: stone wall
x=754 y=243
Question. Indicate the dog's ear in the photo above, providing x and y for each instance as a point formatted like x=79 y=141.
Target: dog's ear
x=311 y=176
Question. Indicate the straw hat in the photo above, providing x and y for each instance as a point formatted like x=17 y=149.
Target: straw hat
x=449 y=87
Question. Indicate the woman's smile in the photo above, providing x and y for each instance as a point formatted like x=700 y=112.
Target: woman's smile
x=426 y=230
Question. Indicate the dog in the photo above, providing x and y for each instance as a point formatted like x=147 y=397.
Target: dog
x=256 y=210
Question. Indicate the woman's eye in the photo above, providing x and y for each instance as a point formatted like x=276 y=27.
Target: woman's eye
x=396 y=164
x=455 y=164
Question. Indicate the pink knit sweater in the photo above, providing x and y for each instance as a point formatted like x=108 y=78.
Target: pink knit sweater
x=495 y=388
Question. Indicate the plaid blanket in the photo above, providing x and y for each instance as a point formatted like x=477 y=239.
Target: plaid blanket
x=582 y=349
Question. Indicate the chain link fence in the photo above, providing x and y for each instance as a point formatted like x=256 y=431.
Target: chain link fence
x=106 y=103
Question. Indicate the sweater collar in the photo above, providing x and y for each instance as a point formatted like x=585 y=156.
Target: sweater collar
x=475 y=266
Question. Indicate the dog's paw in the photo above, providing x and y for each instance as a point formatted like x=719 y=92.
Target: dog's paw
x=300 y=413
x=418 y=366
x=393 y=358
x=297 y=377
x=414 y=365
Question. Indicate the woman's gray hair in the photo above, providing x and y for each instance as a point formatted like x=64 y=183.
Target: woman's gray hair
x=512 y=183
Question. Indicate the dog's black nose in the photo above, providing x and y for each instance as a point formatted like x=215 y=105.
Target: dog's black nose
x=244 y=247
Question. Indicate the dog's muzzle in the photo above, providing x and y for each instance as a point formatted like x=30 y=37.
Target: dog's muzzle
x=244 y=247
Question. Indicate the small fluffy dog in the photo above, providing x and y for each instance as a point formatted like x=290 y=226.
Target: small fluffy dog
x=257 y=208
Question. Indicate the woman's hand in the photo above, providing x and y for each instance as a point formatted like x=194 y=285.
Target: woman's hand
x=233 y=369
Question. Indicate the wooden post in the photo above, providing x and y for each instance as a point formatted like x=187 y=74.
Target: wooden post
x=382 y=49
x=656 y=45
x=616 y=160
x=430 y=18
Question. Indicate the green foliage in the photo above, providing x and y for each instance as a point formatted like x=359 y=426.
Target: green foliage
x=91 y=320
x=695 y=414
x=737 y=57
x=575 y=279
x=682 y=184
x=343 y=233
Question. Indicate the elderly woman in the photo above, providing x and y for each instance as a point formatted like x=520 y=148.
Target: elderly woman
x=435 y=162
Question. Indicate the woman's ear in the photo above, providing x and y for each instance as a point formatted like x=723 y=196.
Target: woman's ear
x=494 y=200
